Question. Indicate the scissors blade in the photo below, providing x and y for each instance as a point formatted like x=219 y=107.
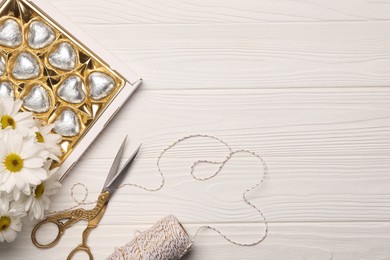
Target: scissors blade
x=115 y=165
x=117 y=180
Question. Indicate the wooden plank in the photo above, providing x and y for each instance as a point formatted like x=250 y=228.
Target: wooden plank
x=292 y=123
x=311 y=241
x=252 y=56
x=327 y=154
x=316 y=189
x=220 y=11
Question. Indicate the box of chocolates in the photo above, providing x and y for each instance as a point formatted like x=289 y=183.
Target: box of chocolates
x=62 y=76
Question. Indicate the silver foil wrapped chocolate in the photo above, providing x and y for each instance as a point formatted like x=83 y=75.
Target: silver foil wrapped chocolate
x=63 y=57
x=71 y=90
x=2 y=66
x=100 y=85
x=37 y=100
x=26 y=66
x=6 y=90
x=10 y=33
x=67 y=124
x=40 y=35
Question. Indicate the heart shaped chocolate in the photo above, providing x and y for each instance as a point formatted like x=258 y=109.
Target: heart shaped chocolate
x=100 y=85
x=37 y=100
x=40 y=35
x=71 y=90
x=64 y=57
x=10 y=34
x=6 y=90
x=67 y=124
x=2 y=66
x=26 y=66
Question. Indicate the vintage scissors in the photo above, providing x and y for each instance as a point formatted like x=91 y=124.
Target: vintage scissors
x=65 y=219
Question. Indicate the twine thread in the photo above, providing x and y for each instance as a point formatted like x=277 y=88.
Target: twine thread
x=165 y=226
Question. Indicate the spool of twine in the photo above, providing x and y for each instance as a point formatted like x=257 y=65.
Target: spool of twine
x=166 y=240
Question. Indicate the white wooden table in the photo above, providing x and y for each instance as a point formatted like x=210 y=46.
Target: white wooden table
x=304 y=83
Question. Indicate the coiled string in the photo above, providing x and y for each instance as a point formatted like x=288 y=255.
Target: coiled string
x=230 y=155
x=166 y=240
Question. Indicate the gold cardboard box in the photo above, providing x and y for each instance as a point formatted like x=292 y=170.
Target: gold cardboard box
x=58 y=78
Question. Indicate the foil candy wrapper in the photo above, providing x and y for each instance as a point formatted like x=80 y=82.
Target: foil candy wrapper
x=6 y=90
x=64 y=57
x=37 y=100
x=67 y=124
x=26 y=66
x=2 y=66
x=10 y=33
x=71 y=90
x=40 y=35
x=101 y=85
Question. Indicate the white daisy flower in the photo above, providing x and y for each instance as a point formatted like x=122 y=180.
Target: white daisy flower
x=20 y=165
x=49 y=141
x=39 y=200
x=26 y=181
x=11 y=118
x=10 y=222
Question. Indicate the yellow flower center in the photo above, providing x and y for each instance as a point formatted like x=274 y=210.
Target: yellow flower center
x=39 y=136
x=13 y=162
x=7 y=121
x=5 y=222
x=39 y=190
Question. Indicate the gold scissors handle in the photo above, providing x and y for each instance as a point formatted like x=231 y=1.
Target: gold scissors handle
x=70 y=217
x=83 y=247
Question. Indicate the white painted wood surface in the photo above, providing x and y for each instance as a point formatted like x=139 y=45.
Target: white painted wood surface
x=304 y=83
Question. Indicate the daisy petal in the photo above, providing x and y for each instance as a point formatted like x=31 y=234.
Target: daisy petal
x=9 y=235
x=33 y=162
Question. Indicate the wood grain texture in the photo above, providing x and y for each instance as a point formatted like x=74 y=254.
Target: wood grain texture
x=311 y=241
x=220 y=11
x=242 y=56
x=303 y=83
x=288 y=123
x=316 y=189
x=327 y=164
